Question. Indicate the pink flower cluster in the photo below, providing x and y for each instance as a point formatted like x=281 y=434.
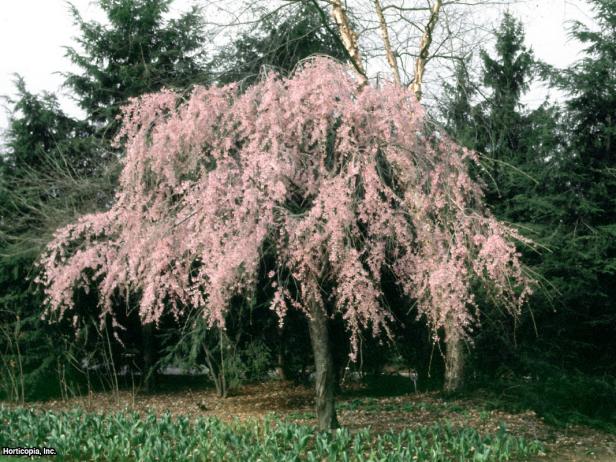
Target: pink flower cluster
x=342 y=180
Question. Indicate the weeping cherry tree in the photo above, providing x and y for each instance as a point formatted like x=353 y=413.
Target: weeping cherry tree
x=339 y=180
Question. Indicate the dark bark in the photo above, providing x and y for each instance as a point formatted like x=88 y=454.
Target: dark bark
x=280 y=356
x=216 y=367
x=454 y=358
x=325 y=376
x=147 y=332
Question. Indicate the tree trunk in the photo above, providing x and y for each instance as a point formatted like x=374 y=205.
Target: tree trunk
x=424 y=49
x=147 y=331
x=389 y=52
x=348 y=36
x=325 y=379
x=454 y=358
x=280 y=356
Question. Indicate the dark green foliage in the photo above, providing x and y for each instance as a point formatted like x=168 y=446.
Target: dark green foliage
x=551 y=172
x=502 y=127
x=561 y=397
x=456 y=106
x=508 y=75
x=138 y=52
x=47 y=159
x=582 y=192
x=38 y=126
x=45 y=180
x=228 y=359
x=279 y=42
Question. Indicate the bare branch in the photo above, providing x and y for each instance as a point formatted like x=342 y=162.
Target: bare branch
x=391 y=59
x=357 y=64
x=424 y=49
x=349 y=38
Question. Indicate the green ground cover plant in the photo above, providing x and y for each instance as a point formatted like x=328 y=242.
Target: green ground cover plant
x=128 y=436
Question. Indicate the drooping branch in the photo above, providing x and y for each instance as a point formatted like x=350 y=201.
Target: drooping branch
x=186 y=237
x=424 y=49
x=391 y=58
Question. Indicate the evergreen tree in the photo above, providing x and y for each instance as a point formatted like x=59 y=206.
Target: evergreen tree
x=280 y=41
x=550 y=171
x=502 y=124
x=139 y=51
x=587 y=188
x=490 y=119
x=40 y=133
x=46 y=173
x=37 y=125
x=459 y=115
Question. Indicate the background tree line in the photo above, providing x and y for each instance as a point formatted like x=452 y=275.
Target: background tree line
x=549 y=171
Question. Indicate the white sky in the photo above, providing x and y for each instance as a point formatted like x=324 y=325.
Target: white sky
x=547 y=23
x=34 y=32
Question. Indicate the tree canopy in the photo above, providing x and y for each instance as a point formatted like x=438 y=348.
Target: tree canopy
x=339 y=182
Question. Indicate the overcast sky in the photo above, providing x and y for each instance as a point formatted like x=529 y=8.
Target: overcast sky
x=34 y=32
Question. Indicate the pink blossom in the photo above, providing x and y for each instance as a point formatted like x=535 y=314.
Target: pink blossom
x=341 y=181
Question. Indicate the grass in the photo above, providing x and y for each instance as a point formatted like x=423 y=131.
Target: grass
x=129 y=436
